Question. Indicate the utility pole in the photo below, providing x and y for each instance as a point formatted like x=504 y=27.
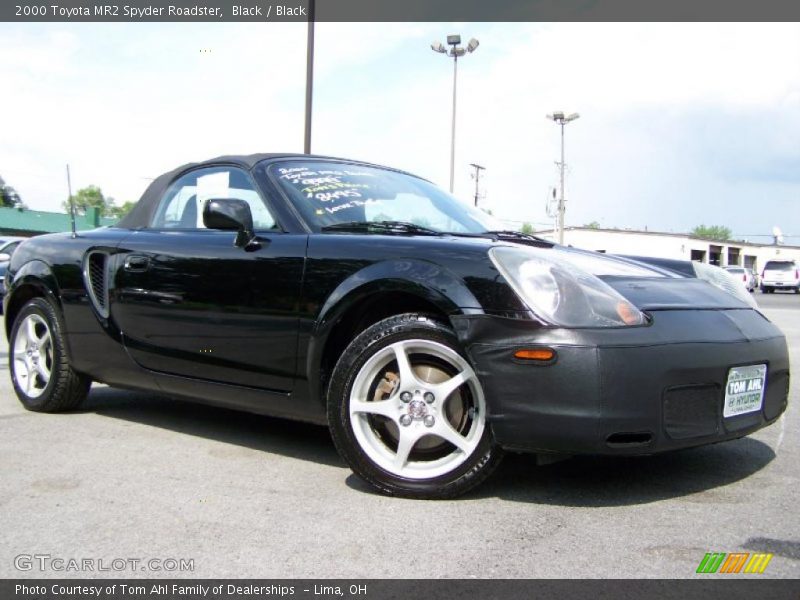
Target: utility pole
x=550 y=203
x=477 y=177
x=71 y=204
x=560 y=119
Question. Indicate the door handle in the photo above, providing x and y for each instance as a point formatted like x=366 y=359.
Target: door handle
x=137 y=263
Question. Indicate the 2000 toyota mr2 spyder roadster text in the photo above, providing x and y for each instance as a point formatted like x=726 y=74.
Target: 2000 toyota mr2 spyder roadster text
x=364 y=298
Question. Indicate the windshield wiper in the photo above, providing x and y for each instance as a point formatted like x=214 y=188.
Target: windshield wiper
x=512 y=236
x=518 y=236
x=414 y=229
x=381 y=227
x=507 y=234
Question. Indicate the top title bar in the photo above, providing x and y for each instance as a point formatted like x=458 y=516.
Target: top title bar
x=398 y=10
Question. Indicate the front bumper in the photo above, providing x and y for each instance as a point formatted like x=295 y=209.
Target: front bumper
x=636 y=390
x=784 y=284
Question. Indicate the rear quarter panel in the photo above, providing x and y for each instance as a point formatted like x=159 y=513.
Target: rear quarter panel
x=52 y=264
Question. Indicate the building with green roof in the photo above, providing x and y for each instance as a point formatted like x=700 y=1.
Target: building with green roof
x=24 y=222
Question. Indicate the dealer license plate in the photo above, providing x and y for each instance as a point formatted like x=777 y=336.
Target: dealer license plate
x=744 y=392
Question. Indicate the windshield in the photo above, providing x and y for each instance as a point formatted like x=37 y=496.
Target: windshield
x=779 y=265
x=330 y=193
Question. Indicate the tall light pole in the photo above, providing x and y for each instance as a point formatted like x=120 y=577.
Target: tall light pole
x=309 y=77
x=477 y=177
x=561 y=119
x=455 y=51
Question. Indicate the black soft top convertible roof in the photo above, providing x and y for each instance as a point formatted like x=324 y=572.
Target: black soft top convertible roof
x=141 y=214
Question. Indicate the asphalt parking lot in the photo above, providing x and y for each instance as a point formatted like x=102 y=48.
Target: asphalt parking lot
x=137 y=476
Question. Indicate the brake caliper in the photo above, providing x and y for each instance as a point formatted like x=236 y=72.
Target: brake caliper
x=386 y=386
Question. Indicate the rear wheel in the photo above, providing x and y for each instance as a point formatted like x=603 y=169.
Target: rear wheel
x=407 y=411
x=43 y=379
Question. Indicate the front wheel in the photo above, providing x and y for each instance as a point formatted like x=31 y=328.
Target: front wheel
x=43 y=378
x=407 y=412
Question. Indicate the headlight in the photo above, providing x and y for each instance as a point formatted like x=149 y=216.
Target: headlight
x=724 y=281
x=561 y=293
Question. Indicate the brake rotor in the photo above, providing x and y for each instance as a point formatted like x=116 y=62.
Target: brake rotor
x=455 y=409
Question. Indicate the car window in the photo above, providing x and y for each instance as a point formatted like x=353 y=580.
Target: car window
x=328 y=193
x=779 y=265
x=183 y=203
x=9 y=249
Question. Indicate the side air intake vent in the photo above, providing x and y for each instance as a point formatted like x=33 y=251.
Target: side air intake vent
x=95 y=274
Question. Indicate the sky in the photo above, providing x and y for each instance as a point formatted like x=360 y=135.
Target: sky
x=680 y=124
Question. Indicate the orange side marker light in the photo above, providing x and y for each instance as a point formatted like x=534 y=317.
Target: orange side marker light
x=538 y=354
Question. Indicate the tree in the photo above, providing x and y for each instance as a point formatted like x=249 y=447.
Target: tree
x=592 y=225
x=89 y=197
x=717 y=233
x=92 y=197
x=9 y=198
x=118 y=212
x=526 y=228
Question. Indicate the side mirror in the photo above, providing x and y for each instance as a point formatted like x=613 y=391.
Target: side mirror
x=230 y=213
x=5 y=257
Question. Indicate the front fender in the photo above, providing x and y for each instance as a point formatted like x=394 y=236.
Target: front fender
x=34 y=274
x=426 y=280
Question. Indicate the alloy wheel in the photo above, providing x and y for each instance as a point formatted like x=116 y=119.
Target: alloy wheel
x=417 y=409
x=33 y=355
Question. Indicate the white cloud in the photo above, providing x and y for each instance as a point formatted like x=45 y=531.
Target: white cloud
x=666 y=108
x=126 y=102
x=646 y=93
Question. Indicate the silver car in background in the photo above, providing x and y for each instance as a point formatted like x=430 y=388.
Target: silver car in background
x=7 y=246
x=743 y=275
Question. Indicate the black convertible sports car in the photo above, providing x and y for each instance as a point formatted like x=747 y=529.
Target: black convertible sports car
x=366 y=299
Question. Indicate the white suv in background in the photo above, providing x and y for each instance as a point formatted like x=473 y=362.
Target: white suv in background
x=780 y=275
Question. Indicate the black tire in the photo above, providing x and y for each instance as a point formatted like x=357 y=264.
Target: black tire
x=65 y=389
x=479 y=459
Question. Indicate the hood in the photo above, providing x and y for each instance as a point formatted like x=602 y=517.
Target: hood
x=674 y=294
x=653 y=287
